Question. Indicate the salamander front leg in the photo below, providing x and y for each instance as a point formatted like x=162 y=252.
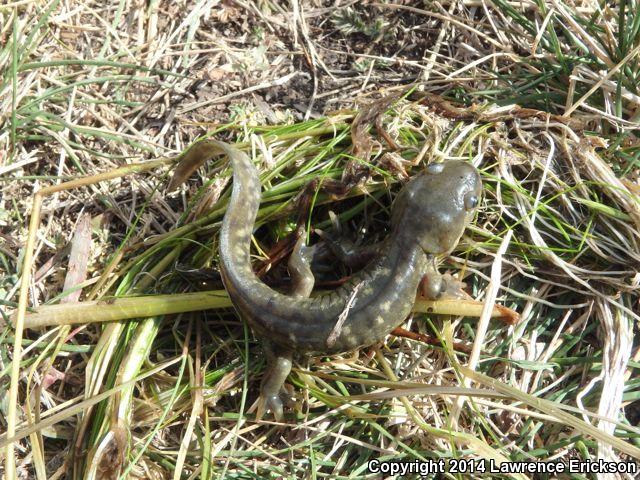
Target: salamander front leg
x=345 y=250
x=436 y=286
x=278 y=368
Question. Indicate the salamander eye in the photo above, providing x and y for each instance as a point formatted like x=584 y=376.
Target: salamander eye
x=470 y=201
x=434 y=168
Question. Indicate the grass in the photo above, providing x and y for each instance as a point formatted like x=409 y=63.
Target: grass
x=171 y=396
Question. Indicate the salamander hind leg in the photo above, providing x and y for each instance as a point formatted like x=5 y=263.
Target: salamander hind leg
x=279 y=358
x=302 y=278
x=277 y=371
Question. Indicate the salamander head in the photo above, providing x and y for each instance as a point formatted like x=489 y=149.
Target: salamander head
x=434 y=208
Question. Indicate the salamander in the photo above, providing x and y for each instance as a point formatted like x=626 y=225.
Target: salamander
x=428 y=218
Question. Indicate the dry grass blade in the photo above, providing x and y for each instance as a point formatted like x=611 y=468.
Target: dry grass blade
x=126 y=308
x=80 y=406
x=483 y=323
x=551 y=409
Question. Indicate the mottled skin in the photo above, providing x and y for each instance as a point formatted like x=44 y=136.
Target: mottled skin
x=428 y=218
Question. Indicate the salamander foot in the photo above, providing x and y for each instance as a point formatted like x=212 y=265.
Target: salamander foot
x=278 y=368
